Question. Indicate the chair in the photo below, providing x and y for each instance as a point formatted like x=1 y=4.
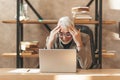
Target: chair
x=87 y=30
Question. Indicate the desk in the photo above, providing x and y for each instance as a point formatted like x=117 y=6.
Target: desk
x=91 y=74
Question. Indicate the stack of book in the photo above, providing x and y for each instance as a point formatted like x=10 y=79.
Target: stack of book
x=81 y=13
x=29 y=48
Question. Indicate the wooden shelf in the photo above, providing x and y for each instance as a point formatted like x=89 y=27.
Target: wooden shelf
x=55 y=22
x=106 y=55
x=32 y=21
x=93 y=22
x=14 y=54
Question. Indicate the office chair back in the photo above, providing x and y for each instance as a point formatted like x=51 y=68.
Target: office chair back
x=87 y=30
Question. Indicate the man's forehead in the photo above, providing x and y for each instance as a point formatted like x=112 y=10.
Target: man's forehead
x=64 y=30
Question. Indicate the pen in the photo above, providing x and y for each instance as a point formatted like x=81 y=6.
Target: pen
x=28 y=70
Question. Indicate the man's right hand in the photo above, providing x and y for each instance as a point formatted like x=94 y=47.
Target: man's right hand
x=52 y=36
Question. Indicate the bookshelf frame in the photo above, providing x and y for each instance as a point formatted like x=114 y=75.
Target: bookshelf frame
x=97 y=22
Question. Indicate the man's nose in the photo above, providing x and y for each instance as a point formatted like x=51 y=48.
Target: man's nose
x=64 y=37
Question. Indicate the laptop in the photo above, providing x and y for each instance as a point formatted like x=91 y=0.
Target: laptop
x=57 y=60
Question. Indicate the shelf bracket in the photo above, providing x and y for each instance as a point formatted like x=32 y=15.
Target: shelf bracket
x=89 y=3
x=37 y=14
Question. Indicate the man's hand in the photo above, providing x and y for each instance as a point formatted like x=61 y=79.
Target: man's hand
x=76 y=36
x=52 y=36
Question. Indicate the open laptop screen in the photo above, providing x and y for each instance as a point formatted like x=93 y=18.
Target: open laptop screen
x=57 y=60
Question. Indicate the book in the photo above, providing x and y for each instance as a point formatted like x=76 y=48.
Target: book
x=30 y=47
x=79 y=9
x=81 y=13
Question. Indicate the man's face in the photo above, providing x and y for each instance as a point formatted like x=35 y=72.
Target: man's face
x=65 y=35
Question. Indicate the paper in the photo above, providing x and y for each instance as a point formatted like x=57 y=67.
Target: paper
x=25 y=71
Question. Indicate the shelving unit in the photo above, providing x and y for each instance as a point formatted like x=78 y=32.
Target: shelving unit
x=98 y=28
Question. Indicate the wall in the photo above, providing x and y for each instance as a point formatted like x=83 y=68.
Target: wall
x=53 y=9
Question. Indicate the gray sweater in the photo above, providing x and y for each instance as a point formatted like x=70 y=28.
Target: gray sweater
x=83 y=56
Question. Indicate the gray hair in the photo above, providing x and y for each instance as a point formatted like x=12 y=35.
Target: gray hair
x=65 y=22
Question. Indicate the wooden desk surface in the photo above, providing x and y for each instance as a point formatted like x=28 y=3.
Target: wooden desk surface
x=91 y=74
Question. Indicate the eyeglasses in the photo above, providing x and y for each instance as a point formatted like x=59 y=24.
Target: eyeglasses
x=65 y=34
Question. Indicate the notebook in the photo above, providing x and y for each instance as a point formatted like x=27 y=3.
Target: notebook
x=57 y=60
